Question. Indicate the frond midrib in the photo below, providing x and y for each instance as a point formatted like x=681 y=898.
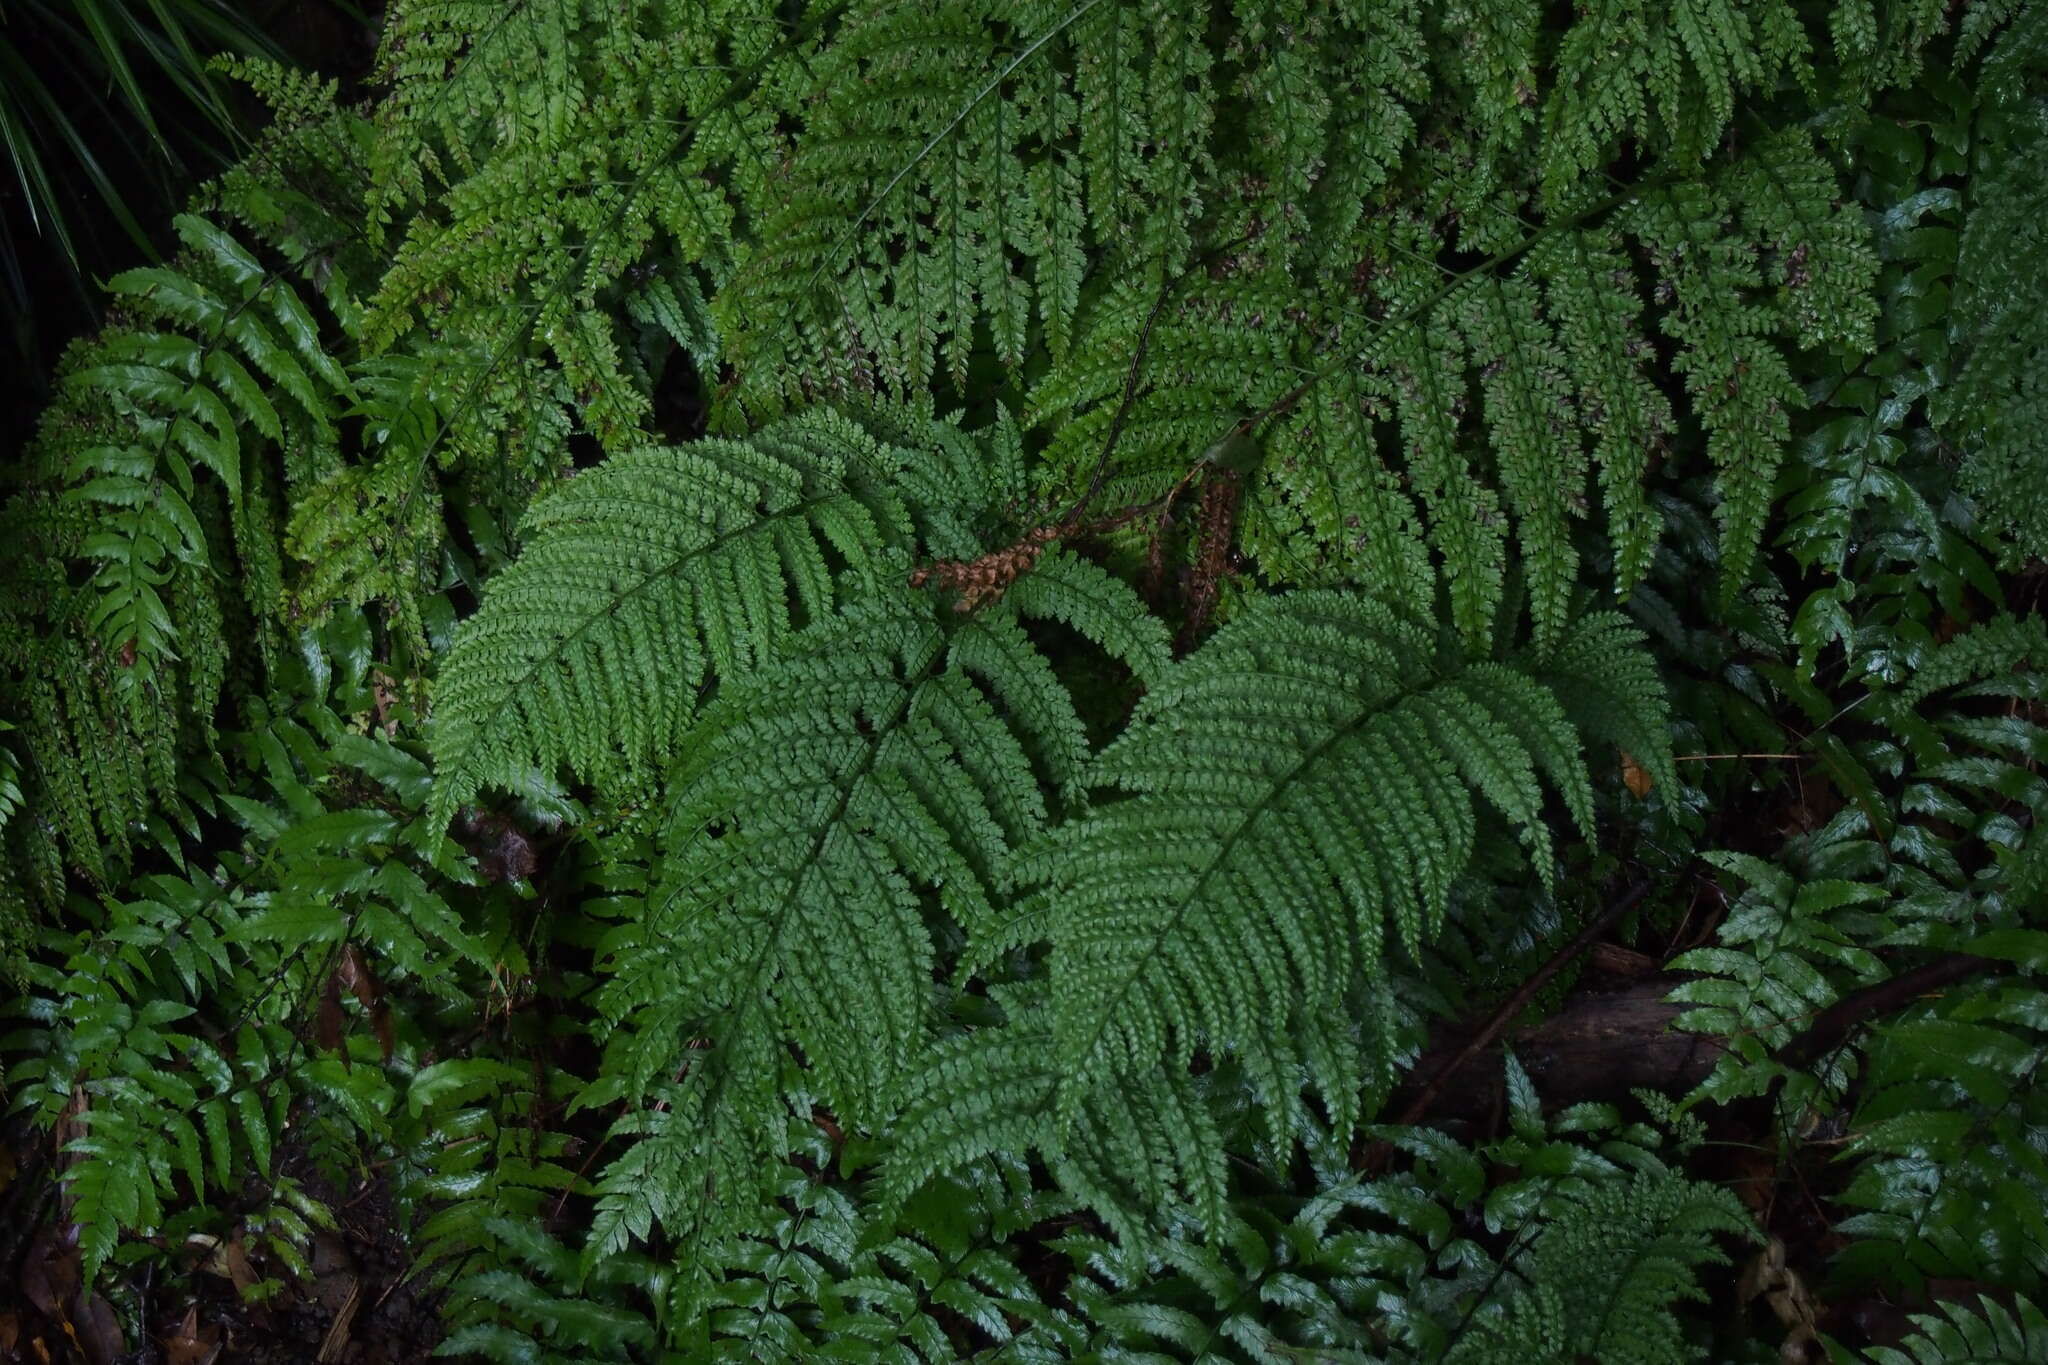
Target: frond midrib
x=1284 y=782
x=558 y=649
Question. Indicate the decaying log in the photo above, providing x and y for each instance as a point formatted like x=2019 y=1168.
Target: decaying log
x=1599 y=1046
x=1604 y=1043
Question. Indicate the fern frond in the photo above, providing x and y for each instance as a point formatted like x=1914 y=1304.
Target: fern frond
x=1243 y=885
x=180 y=403
x=968 y=155
x=1233 y=894
x=1603 y=1276
x=1783 y=955
x=836 y=806
x=1129 y=1151
x=1950 y=1178
x=1997 y=397
x=666 y=568
x=1990 y=1334
x=642 y=132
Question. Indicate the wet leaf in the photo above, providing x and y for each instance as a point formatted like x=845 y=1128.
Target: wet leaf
x=1635 y=777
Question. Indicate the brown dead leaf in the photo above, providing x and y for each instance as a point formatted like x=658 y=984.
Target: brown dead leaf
x=352 y=974
x=355 y=976
x=1635 y=777
x=98 y=1331
x=10 y=1331
x=240 y=1272
x=1767 y=1276
x=192 y=1344
x=49 y=1273
x=329 y=1021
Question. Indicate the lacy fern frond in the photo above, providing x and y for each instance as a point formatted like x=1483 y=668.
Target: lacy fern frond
x=146 y=501
x=667 y=568
x=179 y=400
x=836 y=808
x=1459 y=414
x=642 y=127
x=971 y=155
x=1286 y=799
x=1296 y=791
x=1603 y=1276
x=1998 y=401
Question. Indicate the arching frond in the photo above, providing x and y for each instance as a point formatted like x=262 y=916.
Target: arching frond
x=1296 y=792
x=668 y=567
x=837 y=807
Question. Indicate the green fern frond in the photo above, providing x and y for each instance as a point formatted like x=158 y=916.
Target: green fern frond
x=836 y=807
x=1669 y=76
x=1603 y=1276
x=1997 y=399
x=666 y=569
x=1990 y=1334
x=1243 y=885
x=1738 y=380
x=147 y=517
x=643 y=130
x=179 y=402
x=1950 y=1179
x=1783 y=955
x=1228 y=890
x=970 y=156
x=1129 y=1152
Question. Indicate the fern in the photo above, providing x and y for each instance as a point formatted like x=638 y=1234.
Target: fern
x=1934 y=850
x=897 y=792
x=1455 y=1259
x=147 y=571
x=1785 y=954
x=835 y=922
x=177 y=1098
x=187 y=399
x=896 y=780
x=1186 y=912
x=1947 y=1136
x=1603 y=1276
x=666 y=569
x=637 y=118
x=866 y=199
x=150 y=449
x=1229 y=893
x=1991 y=1333
x=1998 y=315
